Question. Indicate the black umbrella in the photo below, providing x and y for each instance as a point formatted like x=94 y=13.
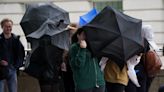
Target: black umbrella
x=115 y=35
x=46 y=19
x=44 y=61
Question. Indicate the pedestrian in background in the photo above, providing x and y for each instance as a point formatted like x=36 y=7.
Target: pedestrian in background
x=11 y=55
x=65 y=67
x=143 y=78
x=116 y=78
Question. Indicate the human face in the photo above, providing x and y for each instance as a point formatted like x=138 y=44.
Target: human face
x=81 y=36
x=7 y=27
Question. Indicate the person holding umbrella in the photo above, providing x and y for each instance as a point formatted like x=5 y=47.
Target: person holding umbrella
x=117 y=36
x=45 y=64
x=143 y=78
x=65 y=66
x=86 y=71
x=49 y=38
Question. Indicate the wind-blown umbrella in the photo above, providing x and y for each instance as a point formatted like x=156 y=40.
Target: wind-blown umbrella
x=46 y=19
x=44 y=61
x=86 y=18
x=115 y=35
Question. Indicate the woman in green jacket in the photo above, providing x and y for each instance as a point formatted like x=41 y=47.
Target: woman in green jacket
x=86 y=71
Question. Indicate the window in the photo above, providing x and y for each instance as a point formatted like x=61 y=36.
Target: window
x=100 y=4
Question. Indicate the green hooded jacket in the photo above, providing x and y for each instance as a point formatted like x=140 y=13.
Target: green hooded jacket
x=86 y=71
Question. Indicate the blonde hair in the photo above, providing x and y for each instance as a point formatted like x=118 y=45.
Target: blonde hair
x=5 y=20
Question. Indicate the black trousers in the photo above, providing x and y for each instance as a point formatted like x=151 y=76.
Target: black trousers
x=50 y=88
x=46 y=86
x=68 y=82
x=115 y=87
x=95 y=89
x=68 y=79
x=145 y=83
x=161 y=89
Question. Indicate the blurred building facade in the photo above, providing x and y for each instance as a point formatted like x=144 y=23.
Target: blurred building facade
x=150 y=11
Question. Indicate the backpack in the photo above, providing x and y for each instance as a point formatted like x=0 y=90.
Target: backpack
x=152 y=63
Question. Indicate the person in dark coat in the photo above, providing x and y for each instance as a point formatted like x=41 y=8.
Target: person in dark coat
x=143 y=78
x=11 y=56
x=141 y=75
x=65 y=66
x=45 y=64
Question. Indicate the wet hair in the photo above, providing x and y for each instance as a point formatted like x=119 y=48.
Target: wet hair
x=5 y=20
x=74 y=37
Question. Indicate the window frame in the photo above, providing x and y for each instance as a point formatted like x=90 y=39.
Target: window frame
x=93 y=2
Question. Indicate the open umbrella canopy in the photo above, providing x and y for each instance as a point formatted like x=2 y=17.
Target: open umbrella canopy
x=46 y=19
x=115 y=35
x=44 y=61
x=86 y=18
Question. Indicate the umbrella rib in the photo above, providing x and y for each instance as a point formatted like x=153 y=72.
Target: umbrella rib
x=59 y=15
x=124 y=36
x=99 y=27
x=102 y=28
x=133 y=40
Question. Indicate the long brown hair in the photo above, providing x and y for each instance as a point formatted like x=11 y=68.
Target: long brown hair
x=74 y=37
